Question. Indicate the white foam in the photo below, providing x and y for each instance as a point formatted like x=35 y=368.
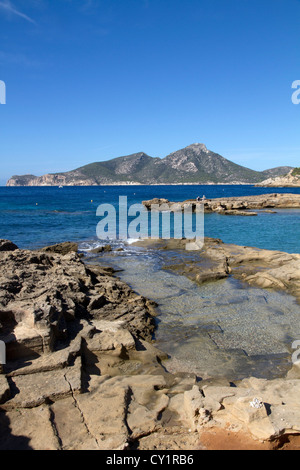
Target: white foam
x=130 y=241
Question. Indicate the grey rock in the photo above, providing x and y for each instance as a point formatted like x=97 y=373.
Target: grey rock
x=62 y=248
x=36 y=389
x=44 y=295
x=4 y=389
x=102 y=249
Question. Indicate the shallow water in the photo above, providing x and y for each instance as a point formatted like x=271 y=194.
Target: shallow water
x=220 y=329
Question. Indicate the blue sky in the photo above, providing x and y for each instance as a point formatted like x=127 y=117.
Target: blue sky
x=90 y=80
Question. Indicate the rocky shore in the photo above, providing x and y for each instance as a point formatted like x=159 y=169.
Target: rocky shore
x=217 y=260
x=244 y=205
x=82 y=371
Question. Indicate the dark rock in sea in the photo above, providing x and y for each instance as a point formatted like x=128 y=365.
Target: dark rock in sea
x=101 y=249
x=62 y=248
x=6 y=245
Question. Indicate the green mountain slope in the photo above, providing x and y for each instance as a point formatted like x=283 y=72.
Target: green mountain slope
x=193 y=164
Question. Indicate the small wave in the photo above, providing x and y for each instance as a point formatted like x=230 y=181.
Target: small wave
x=130 y=241
x=126 y=245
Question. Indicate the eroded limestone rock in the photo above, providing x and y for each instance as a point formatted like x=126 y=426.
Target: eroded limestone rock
x=94 y=382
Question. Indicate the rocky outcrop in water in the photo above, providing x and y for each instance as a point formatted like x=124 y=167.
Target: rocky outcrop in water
x=244 y=205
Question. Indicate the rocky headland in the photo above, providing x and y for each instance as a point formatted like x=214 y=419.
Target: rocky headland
x=82 y=371
x=290 y=180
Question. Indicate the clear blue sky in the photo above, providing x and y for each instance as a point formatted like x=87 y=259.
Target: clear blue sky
x=90 y=80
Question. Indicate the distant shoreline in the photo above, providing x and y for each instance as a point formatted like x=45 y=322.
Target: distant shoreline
x=153 y=184
x=133 y=184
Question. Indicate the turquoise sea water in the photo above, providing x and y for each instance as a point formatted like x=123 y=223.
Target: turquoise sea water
x=34 y=217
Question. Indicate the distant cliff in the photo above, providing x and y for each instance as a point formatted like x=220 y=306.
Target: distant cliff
x=291 y=180
x=194 y=164
x=49 y=180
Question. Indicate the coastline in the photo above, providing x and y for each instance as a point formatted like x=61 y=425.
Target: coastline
x=237 y=205
x=96 y=353
x=130 y=184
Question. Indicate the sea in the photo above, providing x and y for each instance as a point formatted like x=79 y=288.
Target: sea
x=221 y=329
x=39 y=216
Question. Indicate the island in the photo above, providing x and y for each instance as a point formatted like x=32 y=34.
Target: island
x=194 y=164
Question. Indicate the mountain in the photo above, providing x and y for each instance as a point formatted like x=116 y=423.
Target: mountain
x=193 y=164
x=197 y=164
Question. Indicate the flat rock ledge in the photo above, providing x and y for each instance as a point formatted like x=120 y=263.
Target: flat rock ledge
x=241 y=206
x=216 y=260
x=83 y=374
